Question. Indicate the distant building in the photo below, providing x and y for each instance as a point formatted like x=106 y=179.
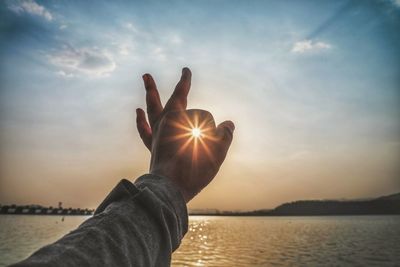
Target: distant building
x=41 y=210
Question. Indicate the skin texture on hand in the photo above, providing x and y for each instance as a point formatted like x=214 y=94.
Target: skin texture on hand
x=189 y=158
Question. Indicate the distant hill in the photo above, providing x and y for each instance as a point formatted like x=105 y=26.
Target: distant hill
x=381 y=205
x=391 y=197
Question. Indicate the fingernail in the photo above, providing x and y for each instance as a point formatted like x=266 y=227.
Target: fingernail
x=144 y=77
x=231 y=126
x=231 y=130
x=185 y=72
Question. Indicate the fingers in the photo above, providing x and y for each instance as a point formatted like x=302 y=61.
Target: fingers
x=143 y=128
x=154 y=106
x=178 y=100
x=225 y=133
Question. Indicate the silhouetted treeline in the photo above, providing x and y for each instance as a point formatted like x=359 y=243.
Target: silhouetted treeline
x=382 y=205
x=40 y=210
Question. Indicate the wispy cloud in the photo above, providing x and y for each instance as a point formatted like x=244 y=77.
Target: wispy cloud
x=130 y=27
x=309 y=46
x=30 y=7
x=159 y=54
x=125 y=48
x=64 y=74
x=93 y=62
x=176 y=39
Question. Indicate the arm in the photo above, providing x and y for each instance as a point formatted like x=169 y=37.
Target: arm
x=137 y=224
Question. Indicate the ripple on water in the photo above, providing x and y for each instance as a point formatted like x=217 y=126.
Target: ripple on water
x=282 y=241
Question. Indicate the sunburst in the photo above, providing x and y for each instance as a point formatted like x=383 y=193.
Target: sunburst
x=196 y=133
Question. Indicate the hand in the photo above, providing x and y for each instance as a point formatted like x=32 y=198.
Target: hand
x=189 y=158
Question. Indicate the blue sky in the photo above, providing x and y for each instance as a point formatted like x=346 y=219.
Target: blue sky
x=312 y=86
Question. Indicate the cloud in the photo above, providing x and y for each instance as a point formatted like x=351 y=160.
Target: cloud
x=64 y=74
x=396 y=2
x=130 y=27
x=93 y=62
x=159 y=54
x=125 y=48
x=30 y=7
x=176 y=39
x=309 y=46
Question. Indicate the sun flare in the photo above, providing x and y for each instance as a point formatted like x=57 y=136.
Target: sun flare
x=196 y=132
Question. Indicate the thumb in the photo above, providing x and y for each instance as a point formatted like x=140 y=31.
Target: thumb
x=225 y=133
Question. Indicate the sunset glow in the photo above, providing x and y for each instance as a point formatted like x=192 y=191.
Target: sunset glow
x=313 y=90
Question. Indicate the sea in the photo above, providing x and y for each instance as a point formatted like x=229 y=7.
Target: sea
x=240 y=241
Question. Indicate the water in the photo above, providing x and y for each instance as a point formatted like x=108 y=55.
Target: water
x=241 y=241
x=291 y=241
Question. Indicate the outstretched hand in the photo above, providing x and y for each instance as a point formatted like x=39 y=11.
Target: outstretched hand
x=185 y=145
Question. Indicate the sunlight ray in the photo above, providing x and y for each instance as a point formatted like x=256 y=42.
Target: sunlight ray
x=207 y=150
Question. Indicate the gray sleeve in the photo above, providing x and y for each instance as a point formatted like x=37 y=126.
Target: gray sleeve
x=137 y=224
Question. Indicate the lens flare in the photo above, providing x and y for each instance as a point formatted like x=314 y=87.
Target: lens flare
x=196 y=132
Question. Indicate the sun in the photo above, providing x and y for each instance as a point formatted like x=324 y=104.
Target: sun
x=196 y=132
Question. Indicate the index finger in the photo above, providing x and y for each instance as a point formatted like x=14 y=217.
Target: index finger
x=178 y=99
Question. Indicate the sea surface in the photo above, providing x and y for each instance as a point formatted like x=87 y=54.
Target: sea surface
x=240 y=241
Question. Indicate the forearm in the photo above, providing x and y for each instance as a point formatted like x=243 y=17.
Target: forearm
x=136 y=225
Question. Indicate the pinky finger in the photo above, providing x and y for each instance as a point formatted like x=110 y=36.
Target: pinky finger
x=143 y=128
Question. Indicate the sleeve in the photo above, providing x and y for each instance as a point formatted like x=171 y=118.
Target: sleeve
x=137 y=224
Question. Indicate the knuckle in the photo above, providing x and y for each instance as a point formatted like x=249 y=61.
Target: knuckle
x=171 y=114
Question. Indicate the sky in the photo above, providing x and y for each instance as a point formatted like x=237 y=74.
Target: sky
x=313 y=88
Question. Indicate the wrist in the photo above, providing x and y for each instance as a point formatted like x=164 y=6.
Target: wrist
x=176 y=181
